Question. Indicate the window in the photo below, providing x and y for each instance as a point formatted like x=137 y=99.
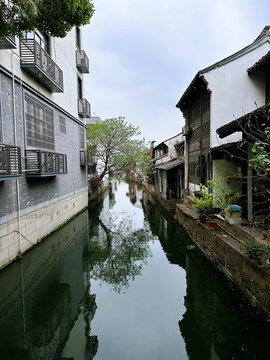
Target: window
x=79 y=88
x=41 y=38
x=78 y=37
x=39 y=124
x=82 y=138
x=62 y=124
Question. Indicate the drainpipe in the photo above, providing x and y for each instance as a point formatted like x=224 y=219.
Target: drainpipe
x=15 y=143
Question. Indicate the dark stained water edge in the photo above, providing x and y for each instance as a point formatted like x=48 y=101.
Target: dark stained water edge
x=121 y=281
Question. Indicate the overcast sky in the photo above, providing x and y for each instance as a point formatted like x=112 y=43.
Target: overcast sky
x=144 y=53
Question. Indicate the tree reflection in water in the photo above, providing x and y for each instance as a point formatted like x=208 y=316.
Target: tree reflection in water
x=119 y=251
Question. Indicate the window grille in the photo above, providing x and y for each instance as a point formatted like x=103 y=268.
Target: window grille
x=195 y=135
x=206 y=129
x=199 y=107
x=82 y=138
x=39 y=124
x=194 y=172
x=62 y=124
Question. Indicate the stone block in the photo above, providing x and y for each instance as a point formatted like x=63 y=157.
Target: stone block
x=3 y=257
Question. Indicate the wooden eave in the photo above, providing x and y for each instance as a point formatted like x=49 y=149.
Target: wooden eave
x=241 y=123
x=265 y=60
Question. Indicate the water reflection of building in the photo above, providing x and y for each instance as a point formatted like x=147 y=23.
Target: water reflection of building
x=216 y=324
x=45 y=302
x=135 y=194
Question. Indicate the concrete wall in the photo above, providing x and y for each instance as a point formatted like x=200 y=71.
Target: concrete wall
x=233 y=91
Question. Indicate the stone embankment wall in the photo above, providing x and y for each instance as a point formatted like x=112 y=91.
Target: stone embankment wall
x=169 y=205
x=20 y=234
x=92 y=195
x=225 y=253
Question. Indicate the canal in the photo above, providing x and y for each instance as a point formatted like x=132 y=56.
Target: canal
x=122 y=281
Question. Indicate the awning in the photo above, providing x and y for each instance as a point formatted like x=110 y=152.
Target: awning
x=170 y=164
x=252 y=119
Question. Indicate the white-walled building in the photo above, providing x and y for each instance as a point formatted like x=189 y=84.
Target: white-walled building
x=43 y=158
x=217 y=95
x=168 y=159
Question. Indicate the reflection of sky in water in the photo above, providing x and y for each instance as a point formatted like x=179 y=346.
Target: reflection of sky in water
x=142 y=323
x=177 y=307
x=122 y=205
x=131 y=325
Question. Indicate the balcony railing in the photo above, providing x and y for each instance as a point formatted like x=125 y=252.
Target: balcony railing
x=38 y=63
x=82 y=61
x=86 y=158
x=10 y=162
x=84 y=108
x=7 y=42
x=41 y=163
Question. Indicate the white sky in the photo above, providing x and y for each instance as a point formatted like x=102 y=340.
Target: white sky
x=144 y=53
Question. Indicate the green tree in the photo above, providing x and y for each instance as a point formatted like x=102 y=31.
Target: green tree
x=53 y=17
x=113 y=141
x=119 y=251
x=260 y=160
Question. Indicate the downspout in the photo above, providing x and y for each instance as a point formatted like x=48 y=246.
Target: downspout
x=15 y=143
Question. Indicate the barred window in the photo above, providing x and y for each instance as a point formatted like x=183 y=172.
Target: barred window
x=82 y=138
x=39 y=124
x=195 y=135
x=206 y=129
x=199 y=107
x=62 y=124
x=194 y=172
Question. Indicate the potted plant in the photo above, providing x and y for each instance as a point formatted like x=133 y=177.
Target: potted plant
x=204 y=204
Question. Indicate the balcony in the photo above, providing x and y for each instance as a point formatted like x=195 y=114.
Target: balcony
x=84 y=108
x=38 y=63
x=7 y=42
x=41 y=163
x=86 y=158
x=82 y=61
x=10 y=162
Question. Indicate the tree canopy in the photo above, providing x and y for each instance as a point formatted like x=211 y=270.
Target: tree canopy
x=114 y=143
x=119 y=251
x=53 y=17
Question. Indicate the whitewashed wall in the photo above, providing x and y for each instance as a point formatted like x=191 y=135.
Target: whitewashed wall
x=63 y=52
x=233 y=91
x=172 y=153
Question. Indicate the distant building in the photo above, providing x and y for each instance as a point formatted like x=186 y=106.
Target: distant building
x=43 y=158
x=168 y=177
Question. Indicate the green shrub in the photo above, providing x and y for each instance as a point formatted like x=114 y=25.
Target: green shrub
x=257 y=251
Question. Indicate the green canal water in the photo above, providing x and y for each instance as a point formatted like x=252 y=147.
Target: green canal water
x=122 y=281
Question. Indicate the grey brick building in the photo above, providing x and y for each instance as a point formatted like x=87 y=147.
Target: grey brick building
x=43 y=157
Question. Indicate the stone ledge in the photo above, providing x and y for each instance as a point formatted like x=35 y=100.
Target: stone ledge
x=225 y=253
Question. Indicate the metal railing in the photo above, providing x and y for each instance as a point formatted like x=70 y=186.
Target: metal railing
x=36 y=61
x=84 y=108
x=82 y=61
x=86 y=158
x=10 y=160
x=7 y=42
x=45 y=162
